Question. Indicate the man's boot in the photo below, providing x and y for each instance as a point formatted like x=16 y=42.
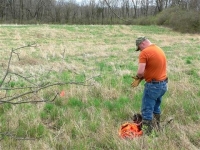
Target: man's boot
x=156 y=121
x=147 y=127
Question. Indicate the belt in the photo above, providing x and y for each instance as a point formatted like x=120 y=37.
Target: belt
x=158 y=82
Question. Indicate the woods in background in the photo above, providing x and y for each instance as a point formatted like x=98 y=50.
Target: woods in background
x=88 y=11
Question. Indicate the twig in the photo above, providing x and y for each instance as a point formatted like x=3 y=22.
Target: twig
x=38 y=101
x=9 y=61
x=35 y=91
x=7 y=70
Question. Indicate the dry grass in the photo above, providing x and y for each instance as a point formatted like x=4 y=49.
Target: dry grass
x=104 y=55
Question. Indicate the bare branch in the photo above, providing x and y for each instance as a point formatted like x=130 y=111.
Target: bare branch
x=25 y=78
x=37 y=89
x=9 y=61
x=30 y=92
x=38 y=101
x=7 y=70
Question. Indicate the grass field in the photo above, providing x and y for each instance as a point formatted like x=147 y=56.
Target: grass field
x=98 y=63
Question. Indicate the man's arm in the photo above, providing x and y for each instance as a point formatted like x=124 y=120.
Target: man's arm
x=140 y=75
x=140 y=72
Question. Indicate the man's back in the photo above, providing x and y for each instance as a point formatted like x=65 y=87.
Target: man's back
x=155 y=60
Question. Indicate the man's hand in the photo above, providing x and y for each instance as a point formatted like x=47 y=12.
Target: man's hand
x=136 y=81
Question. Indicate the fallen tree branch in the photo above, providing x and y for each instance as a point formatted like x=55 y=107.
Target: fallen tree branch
x=10 y=58
x=16 y=94
x=35 y=91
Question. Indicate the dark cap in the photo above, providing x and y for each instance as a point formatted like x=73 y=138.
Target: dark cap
x=139 y=41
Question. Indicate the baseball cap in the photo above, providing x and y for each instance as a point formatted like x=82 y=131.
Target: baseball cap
x=138 y=41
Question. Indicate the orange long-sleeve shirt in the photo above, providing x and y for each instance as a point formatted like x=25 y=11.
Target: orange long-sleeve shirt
x=155 y=60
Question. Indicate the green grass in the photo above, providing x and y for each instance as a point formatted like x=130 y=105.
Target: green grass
x=24 y=130
x=4 y=108
x=100 y=60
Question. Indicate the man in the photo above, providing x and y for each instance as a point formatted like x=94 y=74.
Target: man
x=152 y=68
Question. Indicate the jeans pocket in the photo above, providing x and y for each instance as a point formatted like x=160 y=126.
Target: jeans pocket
x=154 y=91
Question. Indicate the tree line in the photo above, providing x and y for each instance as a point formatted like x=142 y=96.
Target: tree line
x=86 y=11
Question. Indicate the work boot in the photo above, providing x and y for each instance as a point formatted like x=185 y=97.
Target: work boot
x=147 y=127
x=156 y=121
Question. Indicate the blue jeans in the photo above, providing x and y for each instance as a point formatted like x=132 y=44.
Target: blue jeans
x=152 y=98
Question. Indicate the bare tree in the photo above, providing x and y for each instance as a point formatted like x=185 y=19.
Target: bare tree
x=160 y=5
x=194 y=5
x=166 y=3
x=113 y=8
x=135 y=6
x=2 y=9
x=144 y=7
x=125 y=7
